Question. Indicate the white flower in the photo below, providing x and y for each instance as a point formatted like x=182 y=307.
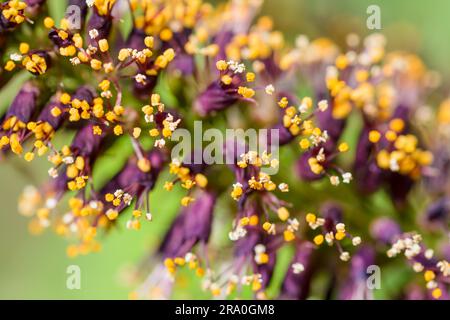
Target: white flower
x=68 y=160
x=321 y=155
x=347 y=177
x=127 y=198
x=50 y=203
x=345 y=256
x=52 y=172
x=118 y=193
x=303 y=108
x=298 y=268
x=140 y=78
x=418 y=267
x=149 y=118
x=90 y=3
x=431 y=284
x=93 y=204
x=149 y=216
x=93 y=33
x=15 y=57
x=340 y=227
x=334 y=180
x=67 y=218
x=235 y=66
x=283 y=187
x=356 y=241
x=160 y=143
x=107 y=94
x=129 y=224
x=323 y=105
x=270 y=89
x=260 y=248
x=393 y=165
x=444 y=267
x=75 y=61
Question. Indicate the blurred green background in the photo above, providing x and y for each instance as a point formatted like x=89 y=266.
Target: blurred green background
x=35 y=267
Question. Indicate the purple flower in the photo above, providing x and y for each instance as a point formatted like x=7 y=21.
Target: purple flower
x=368 y=175
x=355 y=286
x=46 y=116
x=24 y=104
x=438 y=211
x=183 y=61
x=134 y=181
x=296 y=286
x=215 y=98
x=84 y=93
x=101 y=23
x=303 y=168
x=326 y=121
x=192 y=226
x=142 y=90
x=87 y=144
x=385 y=230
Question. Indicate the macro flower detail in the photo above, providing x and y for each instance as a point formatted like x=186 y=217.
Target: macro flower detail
x=316 y=160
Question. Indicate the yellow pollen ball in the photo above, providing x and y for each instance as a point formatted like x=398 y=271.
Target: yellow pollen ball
x=49 y=23
x=263 y=258
x=96 y=130
x=254 y=220
x=246 y=92
x=24 y=48
x=112 y=214
x=226 y=79
x=65 y=98
x=103 y=45
x=96 y=64
x=340 y=235
x=144 y=165
x=283 y=102
x=429 y=275
x=56 y=112
x=201 y=180
x=123 y=54
x=266 y=226
x=149 y=41
x=374 y=136
x=283 y=213
x=436 y=293
x=343 y=147
x=118 y=130
x=221 y=65
x=136 y=132
x=304 y=143
x=109 y=197
x=10 y=65
x=318 y=240
x=288 y=235
x=250 y=76
x=310 y=218
x=244 y=221
x=390 y=135
x=166 y=35
x=397 y=125
x=29 y=156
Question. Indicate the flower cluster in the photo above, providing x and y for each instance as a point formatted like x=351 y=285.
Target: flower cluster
x=96 y=84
